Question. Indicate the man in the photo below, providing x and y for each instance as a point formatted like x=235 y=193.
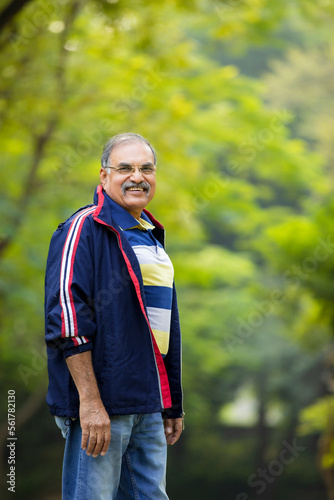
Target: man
x=113 y=335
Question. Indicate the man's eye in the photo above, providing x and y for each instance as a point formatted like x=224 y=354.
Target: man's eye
x=124 y=170
x=147 y=170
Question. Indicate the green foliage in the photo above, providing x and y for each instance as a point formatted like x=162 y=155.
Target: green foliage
x=316 y=417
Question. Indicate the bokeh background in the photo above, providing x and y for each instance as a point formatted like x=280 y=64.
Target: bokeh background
x=237 y=98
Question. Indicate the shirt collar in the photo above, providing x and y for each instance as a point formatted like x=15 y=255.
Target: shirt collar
x=142 y=224
x=125 y=220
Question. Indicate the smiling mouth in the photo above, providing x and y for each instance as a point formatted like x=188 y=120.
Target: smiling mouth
x=141 y=187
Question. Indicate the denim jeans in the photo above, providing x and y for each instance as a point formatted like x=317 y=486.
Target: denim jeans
x=134 y=466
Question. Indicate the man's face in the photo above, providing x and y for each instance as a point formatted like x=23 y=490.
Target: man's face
x=132 y=191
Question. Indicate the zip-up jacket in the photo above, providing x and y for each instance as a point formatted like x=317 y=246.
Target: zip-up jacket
x=94 y=300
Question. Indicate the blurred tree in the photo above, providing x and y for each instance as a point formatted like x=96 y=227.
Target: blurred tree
x=313 y=244
x=311 y=70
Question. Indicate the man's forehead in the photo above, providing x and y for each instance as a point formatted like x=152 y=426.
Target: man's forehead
x=131 y=152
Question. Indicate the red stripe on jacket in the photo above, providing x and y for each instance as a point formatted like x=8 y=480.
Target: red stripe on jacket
x=71 y=305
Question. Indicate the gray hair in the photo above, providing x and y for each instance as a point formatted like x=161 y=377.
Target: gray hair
x=118 y=139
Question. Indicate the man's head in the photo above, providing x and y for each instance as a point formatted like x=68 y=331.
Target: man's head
x=128 y=171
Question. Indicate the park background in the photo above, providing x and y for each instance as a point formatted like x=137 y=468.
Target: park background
x=237 y=98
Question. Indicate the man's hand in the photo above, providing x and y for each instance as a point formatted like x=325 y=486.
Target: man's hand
x=95 y=426
x=173 y=429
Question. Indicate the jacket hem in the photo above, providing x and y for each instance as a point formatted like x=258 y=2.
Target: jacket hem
x=74 y=412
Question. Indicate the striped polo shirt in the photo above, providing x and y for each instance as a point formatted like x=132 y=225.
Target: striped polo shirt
x=156 y=269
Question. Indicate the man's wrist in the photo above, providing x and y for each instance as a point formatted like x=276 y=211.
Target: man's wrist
x=90 y=398
x=173 y=413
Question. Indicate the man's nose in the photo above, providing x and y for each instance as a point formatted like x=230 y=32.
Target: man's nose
x=136 y=176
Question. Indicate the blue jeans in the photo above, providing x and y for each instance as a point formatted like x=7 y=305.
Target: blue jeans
x=134 y=466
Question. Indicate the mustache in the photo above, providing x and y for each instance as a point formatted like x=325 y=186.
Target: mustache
x=143 y=184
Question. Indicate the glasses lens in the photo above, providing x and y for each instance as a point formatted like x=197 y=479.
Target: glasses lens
x=124 y=170
x=147 y=170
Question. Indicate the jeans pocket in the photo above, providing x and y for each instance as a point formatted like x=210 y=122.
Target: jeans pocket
x=63 y=423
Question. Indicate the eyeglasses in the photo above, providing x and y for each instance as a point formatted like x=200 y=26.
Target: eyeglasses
x=130 y=169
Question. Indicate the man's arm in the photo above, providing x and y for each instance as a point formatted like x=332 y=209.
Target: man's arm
x=94 y=420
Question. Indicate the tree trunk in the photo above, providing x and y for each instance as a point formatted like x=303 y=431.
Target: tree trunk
x=24 y=413
x=9 y=12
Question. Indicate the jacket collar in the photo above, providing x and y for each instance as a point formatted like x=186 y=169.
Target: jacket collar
x=109 y=211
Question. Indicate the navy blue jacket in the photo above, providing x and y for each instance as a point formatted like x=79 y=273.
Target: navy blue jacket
x=94 y=300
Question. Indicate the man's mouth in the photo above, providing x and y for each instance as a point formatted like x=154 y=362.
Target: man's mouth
x=141 y=187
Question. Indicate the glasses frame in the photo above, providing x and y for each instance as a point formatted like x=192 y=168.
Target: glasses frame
x=118 y=169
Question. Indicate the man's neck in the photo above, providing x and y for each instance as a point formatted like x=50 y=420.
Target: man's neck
x=135 y=214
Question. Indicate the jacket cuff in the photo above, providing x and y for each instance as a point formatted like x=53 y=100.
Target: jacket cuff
x=173 y=413
x=77 y=349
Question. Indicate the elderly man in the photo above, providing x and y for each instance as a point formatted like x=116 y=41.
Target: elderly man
x=113 y=335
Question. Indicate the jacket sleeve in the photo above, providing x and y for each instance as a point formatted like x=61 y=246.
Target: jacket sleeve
x=173 y=363
x=69 y=288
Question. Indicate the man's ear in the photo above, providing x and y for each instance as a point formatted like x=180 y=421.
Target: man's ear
x=103 y=176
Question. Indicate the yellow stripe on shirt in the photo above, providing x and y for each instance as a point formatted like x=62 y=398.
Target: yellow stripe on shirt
x=157 y=275
x=162 y=339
